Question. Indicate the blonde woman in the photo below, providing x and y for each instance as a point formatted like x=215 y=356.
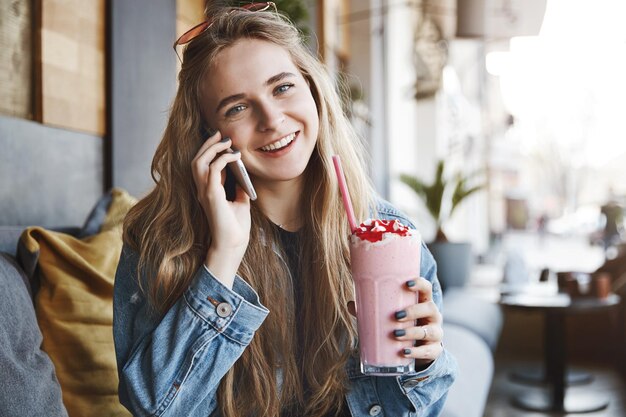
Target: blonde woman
x=227 y=307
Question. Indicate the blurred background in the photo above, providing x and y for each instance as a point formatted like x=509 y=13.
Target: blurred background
x=529 y=93
x=498 y=124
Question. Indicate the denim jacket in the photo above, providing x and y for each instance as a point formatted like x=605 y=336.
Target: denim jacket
x=172 y=365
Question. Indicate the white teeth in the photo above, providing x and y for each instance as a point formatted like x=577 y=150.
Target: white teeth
x=279 y=143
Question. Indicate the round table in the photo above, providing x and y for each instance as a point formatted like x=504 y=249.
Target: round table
x=554 y=308
x=537 y=376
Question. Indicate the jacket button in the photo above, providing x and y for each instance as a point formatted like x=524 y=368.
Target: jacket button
x=410 y=383
x=414 y=382
x=224 y=309
x=375 y=410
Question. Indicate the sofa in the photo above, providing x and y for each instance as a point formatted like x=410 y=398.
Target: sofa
x=56 y=347
x=471 y=327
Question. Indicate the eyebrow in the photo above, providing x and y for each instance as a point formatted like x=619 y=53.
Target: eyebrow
x=235 y=97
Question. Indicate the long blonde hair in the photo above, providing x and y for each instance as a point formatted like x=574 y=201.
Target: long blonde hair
x=169 y=231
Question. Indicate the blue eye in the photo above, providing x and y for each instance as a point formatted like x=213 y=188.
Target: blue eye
x=283 y=88
x=235 y=110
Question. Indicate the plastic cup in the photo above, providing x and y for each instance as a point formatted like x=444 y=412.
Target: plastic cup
x=380 y=271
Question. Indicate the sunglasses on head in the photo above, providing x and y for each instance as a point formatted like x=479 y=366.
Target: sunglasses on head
x=202 y=27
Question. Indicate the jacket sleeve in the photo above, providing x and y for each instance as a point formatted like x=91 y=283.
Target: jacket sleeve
x=171 y=365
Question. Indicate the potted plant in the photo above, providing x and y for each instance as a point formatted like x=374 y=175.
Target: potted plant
x=442 y=197
x=296 y=10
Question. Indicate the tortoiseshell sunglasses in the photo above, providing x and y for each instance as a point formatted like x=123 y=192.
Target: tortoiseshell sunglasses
x=200 y=28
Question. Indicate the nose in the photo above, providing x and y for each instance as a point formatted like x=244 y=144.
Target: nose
x=270 y=115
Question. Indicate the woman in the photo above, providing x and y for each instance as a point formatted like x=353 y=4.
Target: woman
x=200 y=272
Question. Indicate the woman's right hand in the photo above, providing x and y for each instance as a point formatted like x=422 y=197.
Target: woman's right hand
x=229 y=221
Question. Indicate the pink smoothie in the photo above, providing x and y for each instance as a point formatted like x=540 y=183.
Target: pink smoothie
x=384 y=256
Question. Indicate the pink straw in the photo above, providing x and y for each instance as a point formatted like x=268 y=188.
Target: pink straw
x=345 y=195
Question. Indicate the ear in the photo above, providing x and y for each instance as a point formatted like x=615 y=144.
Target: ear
x=352 y=308
x=314 y=92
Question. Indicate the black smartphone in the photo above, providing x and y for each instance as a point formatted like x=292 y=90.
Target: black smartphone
x=234 y=170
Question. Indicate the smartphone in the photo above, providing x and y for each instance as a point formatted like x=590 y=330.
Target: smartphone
x=234 y=170
x=238 y=170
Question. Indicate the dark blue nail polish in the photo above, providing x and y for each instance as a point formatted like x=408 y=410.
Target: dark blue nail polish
x=410 y=283
x=224 y=140
x=400 y=314
x=407 y=351
x=399 y=332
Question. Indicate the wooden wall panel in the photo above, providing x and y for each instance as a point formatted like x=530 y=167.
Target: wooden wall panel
x=16 y=58
x=72 y=66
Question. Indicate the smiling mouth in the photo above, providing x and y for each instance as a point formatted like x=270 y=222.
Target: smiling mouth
x=279 y=144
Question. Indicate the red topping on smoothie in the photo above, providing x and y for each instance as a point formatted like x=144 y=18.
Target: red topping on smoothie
x=374 y=230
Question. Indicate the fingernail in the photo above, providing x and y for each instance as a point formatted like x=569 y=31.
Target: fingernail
x=407 y=351
x=224 y=140
x=410 y=283
x=401 y=314
x=399 y=332
x=236 y=151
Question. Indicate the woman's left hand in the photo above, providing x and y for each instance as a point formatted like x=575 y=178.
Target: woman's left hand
x=428 y=333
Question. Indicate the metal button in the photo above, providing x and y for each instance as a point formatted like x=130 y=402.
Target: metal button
x=224 y=309
x=413 y=382
x=375 y=410
x=410 y=383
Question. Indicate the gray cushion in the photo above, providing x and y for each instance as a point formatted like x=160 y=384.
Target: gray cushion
x=482 y=317
x=28 y=386
x=9 y=235
x=468 y=395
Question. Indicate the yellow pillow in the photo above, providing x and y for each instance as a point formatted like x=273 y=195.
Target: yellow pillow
x=74 y=306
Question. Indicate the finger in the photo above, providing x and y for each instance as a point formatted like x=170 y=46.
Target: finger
x=216 y=167
x=240 y=195
x=423 y=286
x=426 y=333
x=206 y=144
x=427 y=311
x=200 y=164
x=206 y=155
x=210 y=140
x=428 y=351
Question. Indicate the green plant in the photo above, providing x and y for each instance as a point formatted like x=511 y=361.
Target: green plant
x=296 y=10
x=443 y=196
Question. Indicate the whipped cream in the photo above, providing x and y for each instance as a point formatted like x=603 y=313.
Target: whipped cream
x=376 y=232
